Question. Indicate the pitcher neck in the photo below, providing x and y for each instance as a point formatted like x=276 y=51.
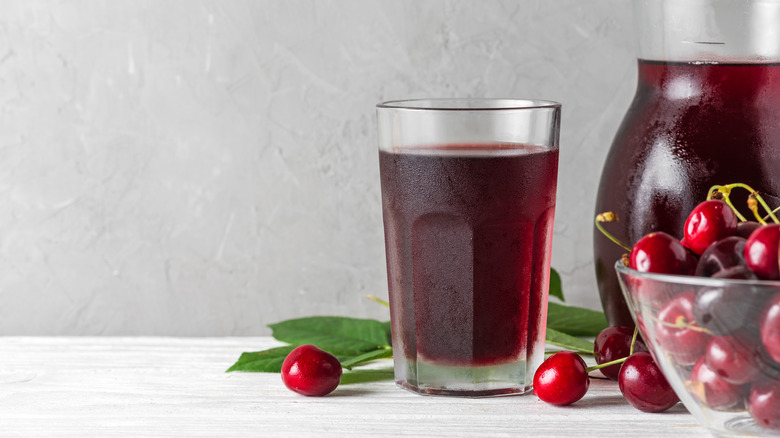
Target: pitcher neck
x=729 y=31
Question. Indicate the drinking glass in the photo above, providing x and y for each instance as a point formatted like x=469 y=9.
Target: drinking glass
x=468 y=200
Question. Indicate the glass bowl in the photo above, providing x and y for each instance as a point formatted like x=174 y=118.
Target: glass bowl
x=706 y=336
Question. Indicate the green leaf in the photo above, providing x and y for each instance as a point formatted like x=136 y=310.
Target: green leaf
x=270 y=361
x=556 y=286
x=363 y=376
x=568 y=342
x=575 y=321
x=333 y=333
x=365 y=357
x=389 y=334
x=267 y=361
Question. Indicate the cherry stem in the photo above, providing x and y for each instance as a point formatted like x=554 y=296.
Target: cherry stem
x=725 y=190
x=739 y=215
x=773 y=211
x=616 y=361
x=609 y=217
x=766 y=207
x=753 y=206
x=681 y=323
x=605 y=364
x=760 y=200
x=377 y=300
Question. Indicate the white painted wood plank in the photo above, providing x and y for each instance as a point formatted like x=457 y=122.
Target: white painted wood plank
x=102 y=386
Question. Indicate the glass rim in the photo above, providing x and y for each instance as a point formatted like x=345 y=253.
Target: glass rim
x=692 y=280
x=468 y=104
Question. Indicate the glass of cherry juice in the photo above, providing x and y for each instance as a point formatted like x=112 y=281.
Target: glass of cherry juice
x=468 y=199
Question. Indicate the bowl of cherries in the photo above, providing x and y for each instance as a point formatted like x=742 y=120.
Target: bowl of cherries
x=708 y=307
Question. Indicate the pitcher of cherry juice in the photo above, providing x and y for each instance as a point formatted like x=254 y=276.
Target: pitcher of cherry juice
x=706 y=111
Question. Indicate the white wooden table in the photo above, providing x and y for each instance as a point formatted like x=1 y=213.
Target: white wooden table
x=99 y=386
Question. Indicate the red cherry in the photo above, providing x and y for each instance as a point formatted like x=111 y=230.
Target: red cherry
x=723 y=254
x=745 y=229
x=709 y=222
x=310 y=371
x=733 y=358
x=677 y=331
x=761 y=252
x=724 y=310
x=614 y=343
x=769 y=325
x=711 y=389
x=561 y=379
x=644 y=386
x=661 y=253
x=764 y=404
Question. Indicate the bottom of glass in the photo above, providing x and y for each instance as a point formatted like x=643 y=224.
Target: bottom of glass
x=463 y=381
x=743 y=426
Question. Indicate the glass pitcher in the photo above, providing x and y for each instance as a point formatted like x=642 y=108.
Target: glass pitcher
x=706 y=111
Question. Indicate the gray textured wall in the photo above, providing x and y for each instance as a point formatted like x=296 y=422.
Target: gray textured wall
x=209 y=167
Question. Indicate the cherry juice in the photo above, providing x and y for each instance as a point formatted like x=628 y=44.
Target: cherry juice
x=690 y=126
x=468 y=230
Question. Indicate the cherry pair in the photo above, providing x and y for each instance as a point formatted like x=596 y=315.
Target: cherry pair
x=563 y=378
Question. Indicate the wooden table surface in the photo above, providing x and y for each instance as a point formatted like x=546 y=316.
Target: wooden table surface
x=153 y=386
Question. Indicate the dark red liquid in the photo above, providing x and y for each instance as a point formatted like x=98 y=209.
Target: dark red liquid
x=690 y=126
x=468 y=235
